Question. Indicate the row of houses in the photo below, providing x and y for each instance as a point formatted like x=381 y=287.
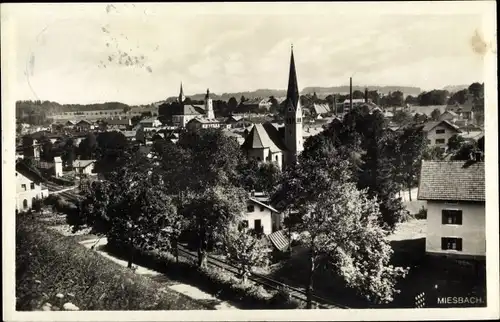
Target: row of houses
x=94 y=115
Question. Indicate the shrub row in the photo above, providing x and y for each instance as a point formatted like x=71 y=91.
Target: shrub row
x=211 y=280
x=48 y=265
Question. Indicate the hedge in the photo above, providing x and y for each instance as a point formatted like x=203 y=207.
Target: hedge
x=211 y=280
x=50 y=266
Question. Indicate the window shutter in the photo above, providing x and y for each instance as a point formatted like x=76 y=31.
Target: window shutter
x=443 y=243
x=459 y=217
x=459 y=244
x=444 y=219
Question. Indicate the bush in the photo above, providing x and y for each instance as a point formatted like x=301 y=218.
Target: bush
x=213 y=280
x=422 y=214
x=48 y=264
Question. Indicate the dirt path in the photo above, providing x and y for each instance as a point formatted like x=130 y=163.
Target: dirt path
x=188 y=290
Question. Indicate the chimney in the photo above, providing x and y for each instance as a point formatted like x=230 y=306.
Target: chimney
x=350 y=93
x=335 y=103
x=366 y=94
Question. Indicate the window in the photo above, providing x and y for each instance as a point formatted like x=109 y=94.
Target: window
x=32 y=186
x=440 y=141
x=451 y=243
x=25 y=203
x=276 y=158
x=262 y=208
x=244 y=223
x=250 y=208
x=441 y=131
x=451 y=217
x=23 y=186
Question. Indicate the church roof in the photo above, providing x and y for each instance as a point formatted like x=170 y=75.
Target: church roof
x=264 y=136
x=292 y=94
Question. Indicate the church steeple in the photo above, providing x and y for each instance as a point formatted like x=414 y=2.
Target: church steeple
x=207 y=96
x=293 y=117
x=181 y=95
x=292 y=94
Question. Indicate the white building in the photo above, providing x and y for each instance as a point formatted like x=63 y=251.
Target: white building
x=455 y=195
x=28 y=187
x=439 y=133
x=260 y=216
x=85 y=167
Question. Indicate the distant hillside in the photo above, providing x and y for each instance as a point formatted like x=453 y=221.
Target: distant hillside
x=455 y=88
x=345 y=89
x=320 y=91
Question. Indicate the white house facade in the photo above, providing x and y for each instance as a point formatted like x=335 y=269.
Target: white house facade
x=455 y=194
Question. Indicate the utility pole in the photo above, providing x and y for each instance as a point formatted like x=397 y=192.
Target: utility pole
x=350 y=93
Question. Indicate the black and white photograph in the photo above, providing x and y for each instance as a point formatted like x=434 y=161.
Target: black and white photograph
x=194 y=161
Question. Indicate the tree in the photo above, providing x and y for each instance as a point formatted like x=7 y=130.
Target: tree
x=232 y=104
x=436 y=113
x=358 y=94
x=433 y=153
x=476 y=90
x=244 y=250
x=111 y=151
x=242 y=99
x=459 y=97
x=455 y=142
x=377 y=170
x=210 y=211
x=411 y=100
x=466 y=151
x=130 y=208
x=87 y=148
x=47 y=153
x=262 y=177
x=434 y=97
x=68 y=154
x=401 y=117
x=420 y=118
x=339 y=224
x=412 y=144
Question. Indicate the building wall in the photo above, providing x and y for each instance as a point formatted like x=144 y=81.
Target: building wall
x=28 y=194
x=432 y=135
x=259 y=154
x=262 y=213
x=472 y=230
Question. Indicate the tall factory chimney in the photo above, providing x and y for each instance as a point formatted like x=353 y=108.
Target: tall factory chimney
x=350 y=93
x=366 y=94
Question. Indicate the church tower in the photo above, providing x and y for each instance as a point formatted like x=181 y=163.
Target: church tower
x=293 y=116
x=209 y=110
x=181 y=95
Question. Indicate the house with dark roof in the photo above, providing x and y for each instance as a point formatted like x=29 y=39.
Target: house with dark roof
x=464 y=111
x=439 y=132
x=455 y=195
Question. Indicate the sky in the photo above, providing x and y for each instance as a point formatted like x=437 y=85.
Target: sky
x=139 y=53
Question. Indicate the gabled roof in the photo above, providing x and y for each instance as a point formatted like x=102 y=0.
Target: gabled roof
x=279 y=240
x=430 y=125
x=260 y=203
x=28 y=172
x=450 y=112
x=82 y=163
x=321 y=108
x=452 y=180
x=292 y=94
x=148 y=120
x=264 y=136
x=83 y=121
